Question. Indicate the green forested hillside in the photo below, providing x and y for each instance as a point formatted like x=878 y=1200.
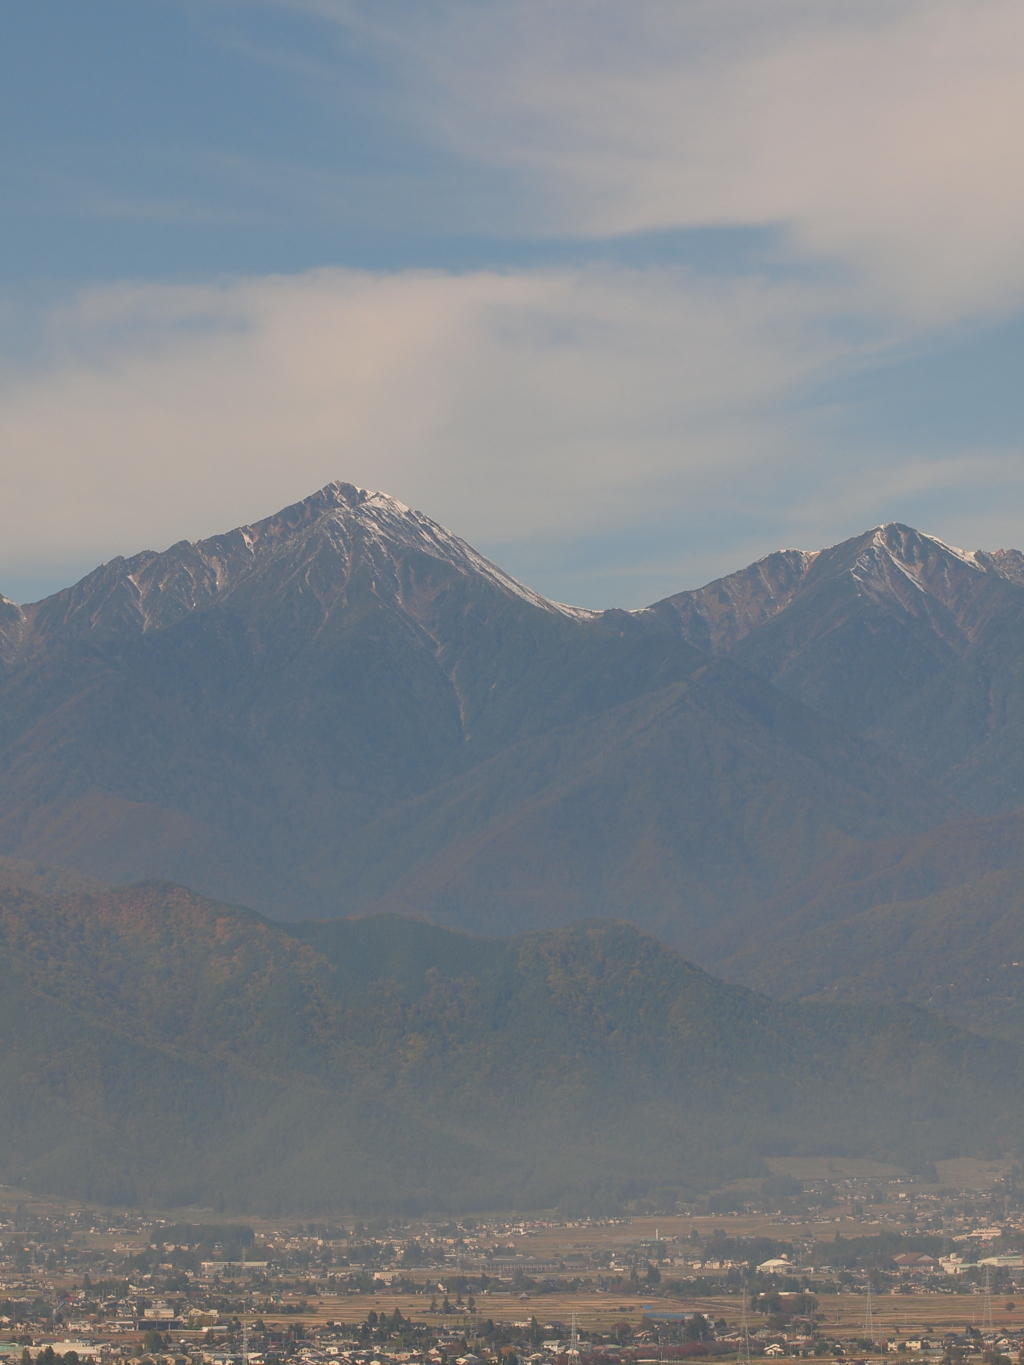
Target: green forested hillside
x=162 y=1047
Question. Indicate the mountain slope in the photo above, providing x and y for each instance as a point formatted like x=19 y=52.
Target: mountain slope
x=937 y=919
x=859 y=628
x=159 y=1046
x=332 y=539
x=681 y=809
x=218 y=711
x=233 y=714
x=344 y=709
x=965 y=726
x=893 y=634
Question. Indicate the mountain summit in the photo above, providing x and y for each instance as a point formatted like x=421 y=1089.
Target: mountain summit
x=344 y=708
x=339 y=541
x=853 y=630
x=892 y=567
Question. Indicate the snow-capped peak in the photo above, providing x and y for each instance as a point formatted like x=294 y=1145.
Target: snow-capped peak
x=338 y=528
x=394 y=526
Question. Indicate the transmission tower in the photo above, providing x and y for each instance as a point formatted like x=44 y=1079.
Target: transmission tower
x=573 y=1352
x=987 y=1325
x=869 y=1317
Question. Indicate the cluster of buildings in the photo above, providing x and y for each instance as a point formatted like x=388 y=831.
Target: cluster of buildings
x=111 y=1289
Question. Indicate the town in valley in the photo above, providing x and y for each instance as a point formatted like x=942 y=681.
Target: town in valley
x=843 y=1265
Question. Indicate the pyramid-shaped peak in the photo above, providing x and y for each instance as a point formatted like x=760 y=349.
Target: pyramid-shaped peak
x=335 y=497
x=911 y=548
x=386 y=529
x=342 y=495
x=341 y=529
x=898 y=537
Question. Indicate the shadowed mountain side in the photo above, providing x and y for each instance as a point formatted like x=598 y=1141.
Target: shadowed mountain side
x=159 y=1046
x=859 y=628
x=965 y=727
x=124 y=841
x=677 y=810
x=960 y=952
x=344 y=671
x=937 y=919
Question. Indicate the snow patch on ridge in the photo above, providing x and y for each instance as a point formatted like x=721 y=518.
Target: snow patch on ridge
x=379 y=512
x=913 y=568
x=969 y=557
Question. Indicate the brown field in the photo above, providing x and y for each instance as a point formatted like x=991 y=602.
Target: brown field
x=549 y=1241
x=899 y=1315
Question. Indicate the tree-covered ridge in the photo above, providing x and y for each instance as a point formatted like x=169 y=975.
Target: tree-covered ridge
x=164 y=1046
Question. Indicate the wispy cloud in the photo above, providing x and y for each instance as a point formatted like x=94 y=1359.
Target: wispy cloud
x=521 y=405
x=528 y=400
x=886 y=138
x=873 y=150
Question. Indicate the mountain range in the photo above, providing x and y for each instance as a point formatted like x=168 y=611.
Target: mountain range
x=485 y=837
x=344 y=709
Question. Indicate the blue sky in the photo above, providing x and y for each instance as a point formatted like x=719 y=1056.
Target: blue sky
x=625 y=295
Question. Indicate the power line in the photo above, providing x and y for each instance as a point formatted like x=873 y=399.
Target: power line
x=743 y=1327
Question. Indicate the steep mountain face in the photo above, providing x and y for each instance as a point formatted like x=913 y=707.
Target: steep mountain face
x=683 y=809
x=718 y=616
x=921 y=648
x=230 y=705
x=12 y=626
x=345 y=703
x=858 y=629
x=965 y=726
x=162 y=1047
x=340 y=540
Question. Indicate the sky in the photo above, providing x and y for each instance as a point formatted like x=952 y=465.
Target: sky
x=627 y=295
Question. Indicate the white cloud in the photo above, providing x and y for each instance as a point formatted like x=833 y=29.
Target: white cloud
x=541 y=405
x=509 y=405
x=885 y=137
